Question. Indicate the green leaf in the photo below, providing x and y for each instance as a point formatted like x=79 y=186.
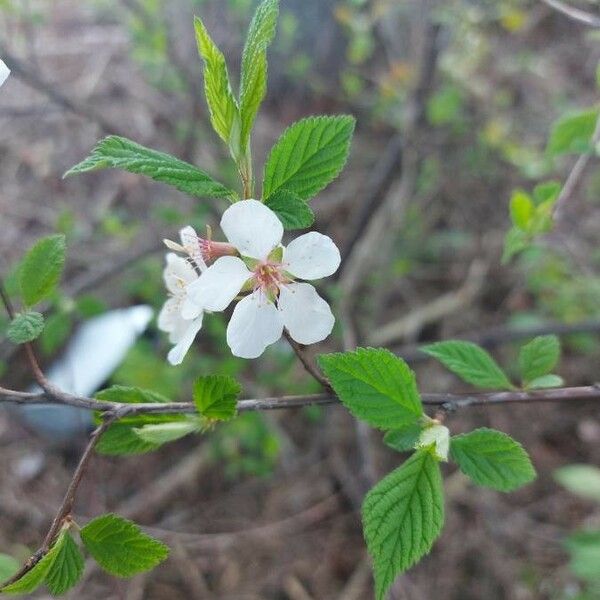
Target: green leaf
x=120 y=547
x=584 y=547
x=120 y=438
x=492 y=459
x=515 y=242
x=120 y=153
x=470 y=362
x=222 y=106
x=539 y=357
x=41 y=269
x=8 y=567
x=583 y=480
x=215 y=396
x=67 y=567
x=521 y=210
x=375 y=385
x=402 y=516
x=162 y=433
x=547 y=191
x=34 y=577
x=404 y=438
x=573 y=133
x=545 y=381
x=308 y=156
x=293 y=212
x=253 y=84
x=25 y=327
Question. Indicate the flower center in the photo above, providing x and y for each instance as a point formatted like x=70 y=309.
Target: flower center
x=268 y=276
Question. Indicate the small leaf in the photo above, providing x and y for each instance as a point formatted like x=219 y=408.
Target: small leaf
x=41 y=269
x=8 y=567
x=120 y=547
x=120 y=153
x=547 y=191
x=25 y=327
x=515 y=241
x=545 y=381
x=402 y=516
x=222 y=106
x=573 y=133
x=492 y=459
x=67 y=567
x=216 y=396
x=470 y=362
x=34 y=577
x=521 y=210
x=253 y=83
x=308 y=156
x=584 y=547
x=162 y=433
x=539 y=357
x=404 y=438
x=292 y=211
x=583 y=480
x=375 y=385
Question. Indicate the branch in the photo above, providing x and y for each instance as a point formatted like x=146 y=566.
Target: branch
x=575 y=14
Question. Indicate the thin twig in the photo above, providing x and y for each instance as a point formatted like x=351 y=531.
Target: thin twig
x=575 y=14
x=306 y=362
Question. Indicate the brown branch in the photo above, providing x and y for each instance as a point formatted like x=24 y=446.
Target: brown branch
x=64 y=512
x=306 y=362
x=575 y=14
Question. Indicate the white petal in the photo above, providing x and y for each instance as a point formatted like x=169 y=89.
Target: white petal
x=178 y=274
x=4 y=72
x=178 y=352
x=311 y=256
x=306 y=315
x=255 y=324
x=252 y=228
x=219 y=284
x=168 y=316
x=191 y=244
x=189 y=308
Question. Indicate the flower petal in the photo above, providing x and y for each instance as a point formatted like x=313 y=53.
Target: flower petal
x=218 y=285
x=169 y=315
x=252 y=228
x=305 y=314
x=178 y=352
x=4 y=72
x=178 y=274
x=255 y=324
x=311 y=256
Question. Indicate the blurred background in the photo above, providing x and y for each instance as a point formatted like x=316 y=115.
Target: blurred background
x=267 y=507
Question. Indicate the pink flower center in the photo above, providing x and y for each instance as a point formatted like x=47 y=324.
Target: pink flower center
x=211 y=250
x=268 y=276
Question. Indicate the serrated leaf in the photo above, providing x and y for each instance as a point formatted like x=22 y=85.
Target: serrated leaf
x=222 y=106
x=8 y=567
x=25 y=327
x=67 y=567
x=308 y=156
x=545 y=381
x=583 y=480
x=253 y=82
x=375 y=385
x=584 y=547
x=470 y=362
x=215 y=396
x=115 y=152
x=572 y=134
x=292 y=211
x=41 y=269
x=120 y=547
x=34 y=577
x=404 y=438
x=539 y=357
x=120 y=439
x=492 y=459
x=402 y=516
x=521 y=210
x=162 y=433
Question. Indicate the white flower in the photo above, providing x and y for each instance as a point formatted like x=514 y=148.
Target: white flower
x=276 y=299
x=4 y=72
x=438 y=436
x=179 y=273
